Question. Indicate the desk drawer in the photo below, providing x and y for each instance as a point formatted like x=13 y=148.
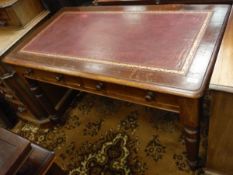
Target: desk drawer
x=50 y=77
x=131 y=94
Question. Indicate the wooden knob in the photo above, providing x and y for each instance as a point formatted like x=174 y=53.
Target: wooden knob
x=28 y=71
x=59 y=77
x=99 y=86
x=21 y=109
x=150 y=96
x=9 y=96
x=157 y=2
x=3 y=23
x=95 y=3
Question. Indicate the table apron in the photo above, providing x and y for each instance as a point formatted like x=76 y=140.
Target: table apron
x=131 y=94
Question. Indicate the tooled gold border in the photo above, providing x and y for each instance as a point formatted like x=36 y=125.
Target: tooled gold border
x=182 y=71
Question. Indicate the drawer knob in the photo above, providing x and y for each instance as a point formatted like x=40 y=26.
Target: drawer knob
x=28 y=71
x=9 y=96
x=2 y=23
x=59 y=77
x=99 y=86
x=157 y=2
x=150 y=96
x=21 y=109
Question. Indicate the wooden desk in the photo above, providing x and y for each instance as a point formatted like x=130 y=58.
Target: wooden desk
x=158 y=56
x=220 y=150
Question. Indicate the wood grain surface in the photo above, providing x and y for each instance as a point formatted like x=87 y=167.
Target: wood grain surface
x=6 y=3
x=191 y=84
x=13 y=152
x=39 y=161
x=220 y=150
x=222 y=78
x=8 y=37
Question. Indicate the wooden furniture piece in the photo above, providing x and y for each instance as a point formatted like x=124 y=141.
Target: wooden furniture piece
x=130 y=53
x=39 y=161
x=220 y=150
x=12 y=87
x=19 y=156
x=8 y=118
x=16 y=90
x=13 y=152
x=18 y=13
x=147 y=2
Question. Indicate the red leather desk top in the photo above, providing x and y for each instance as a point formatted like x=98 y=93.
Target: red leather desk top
x=164 y=48
x=153 y=40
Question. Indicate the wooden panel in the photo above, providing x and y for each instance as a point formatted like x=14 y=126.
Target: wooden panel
x=6 y=3
x=20 y=13
x=13 y=152
x=140 y=96
x=222 y=78
x=8 y=37
x=220 y=150
x=38 y=162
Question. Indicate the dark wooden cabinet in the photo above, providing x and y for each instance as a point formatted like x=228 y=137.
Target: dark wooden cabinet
x=220 y=150
x=220 y=142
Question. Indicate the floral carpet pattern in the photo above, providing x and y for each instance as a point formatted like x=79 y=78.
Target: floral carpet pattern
x=102 y=136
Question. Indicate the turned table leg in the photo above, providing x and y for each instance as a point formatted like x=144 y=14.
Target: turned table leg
x=190 y=110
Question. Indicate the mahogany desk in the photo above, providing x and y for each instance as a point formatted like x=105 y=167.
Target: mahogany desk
x=158 y=56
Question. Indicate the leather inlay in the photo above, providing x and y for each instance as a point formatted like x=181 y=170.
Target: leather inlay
x=154 y=40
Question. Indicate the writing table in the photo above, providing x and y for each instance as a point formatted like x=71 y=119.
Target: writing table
x=158 y=56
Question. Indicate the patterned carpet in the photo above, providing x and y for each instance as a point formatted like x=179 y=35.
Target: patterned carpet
x=102 y=136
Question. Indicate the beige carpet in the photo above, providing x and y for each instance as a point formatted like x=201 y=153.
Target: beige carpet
x=102 y=136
